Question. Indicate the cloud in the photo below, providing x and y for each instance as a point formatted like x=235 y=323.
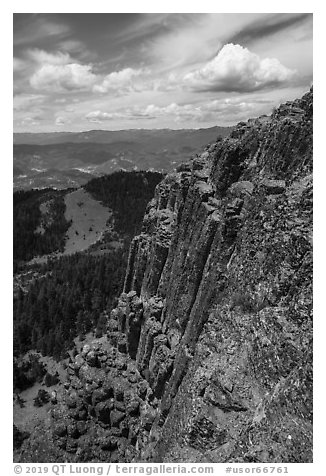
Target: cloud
x=195 y=38
x=227 y=110
x=63 y=77
x=18 y=64
x=59 y=72
x=29 y=121
x=43 y=57
x=70 y=109
x=186 y=40
x=235 y=68
x=78 y=49
x=25 y=102
x=269 y=25
x=180 y=113
x=60 y=121
x=149 y=112
x=142 y=26
x=231 y=109
x=99 y=116
x=30 y=28
x=72 y=46
x=121 y=81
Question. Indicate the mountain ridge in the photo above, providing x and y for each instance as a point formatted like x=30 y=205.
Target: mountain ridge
x=36 y=137
x=71 y=160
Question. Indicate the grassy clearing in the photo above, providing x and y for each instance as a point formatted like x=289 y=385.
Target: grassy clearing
x=89 y=219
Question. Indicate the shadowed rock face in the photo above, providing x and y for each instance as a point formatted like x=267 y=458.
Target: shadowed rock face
x=208 y=353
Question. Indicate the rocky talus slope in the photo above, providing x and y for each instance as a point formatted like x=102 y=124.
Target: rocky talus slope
x=208 y=355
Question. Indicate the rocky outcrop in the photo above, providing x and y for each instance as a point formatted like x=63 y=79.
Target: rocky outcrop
x=108 y=405
x=208 y=353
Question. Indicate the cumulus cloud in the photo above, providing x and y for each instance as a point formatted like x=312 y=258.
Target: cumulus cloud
x=235 y=68
x=178 y=112
x=227 y=110
x=63 y=77
x=58 y=72
x=60 y=121
x=29 y=121
x=121 y=81
x=233 y=110
x=99 y=116
x=149 y=112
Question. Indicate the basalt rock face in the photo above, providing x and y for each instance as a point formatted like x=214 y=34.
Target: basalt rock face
x=208 y=353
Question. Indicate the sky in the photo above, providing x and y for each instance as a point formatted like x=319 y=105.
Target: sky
x=83 y=71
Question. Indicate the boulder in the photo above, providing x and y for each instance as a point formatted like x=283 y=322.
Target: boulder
x=103 y=411
x=92 y=359
x=81 y=427
x=60 y=429
x=147 y=418
x=108 y=443
x=132 y=407
x=124 y=428
x=72 y=431
x=101 y=394
x=273 y=187
x=122 y=345
x=72 y=400
x=116 y=417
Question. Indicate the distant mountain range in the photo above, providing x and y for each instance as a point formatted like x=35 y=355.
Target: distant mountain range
x=69 y=159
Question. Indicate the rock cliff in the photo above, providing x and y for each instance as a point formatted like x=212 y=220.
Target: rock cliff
x=208 y=354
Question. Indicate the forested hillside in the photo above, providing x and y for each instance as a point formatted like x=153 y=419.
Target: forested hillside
x=71 y=295
x=67 y=302
x=29 y=238
x=127 y=194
